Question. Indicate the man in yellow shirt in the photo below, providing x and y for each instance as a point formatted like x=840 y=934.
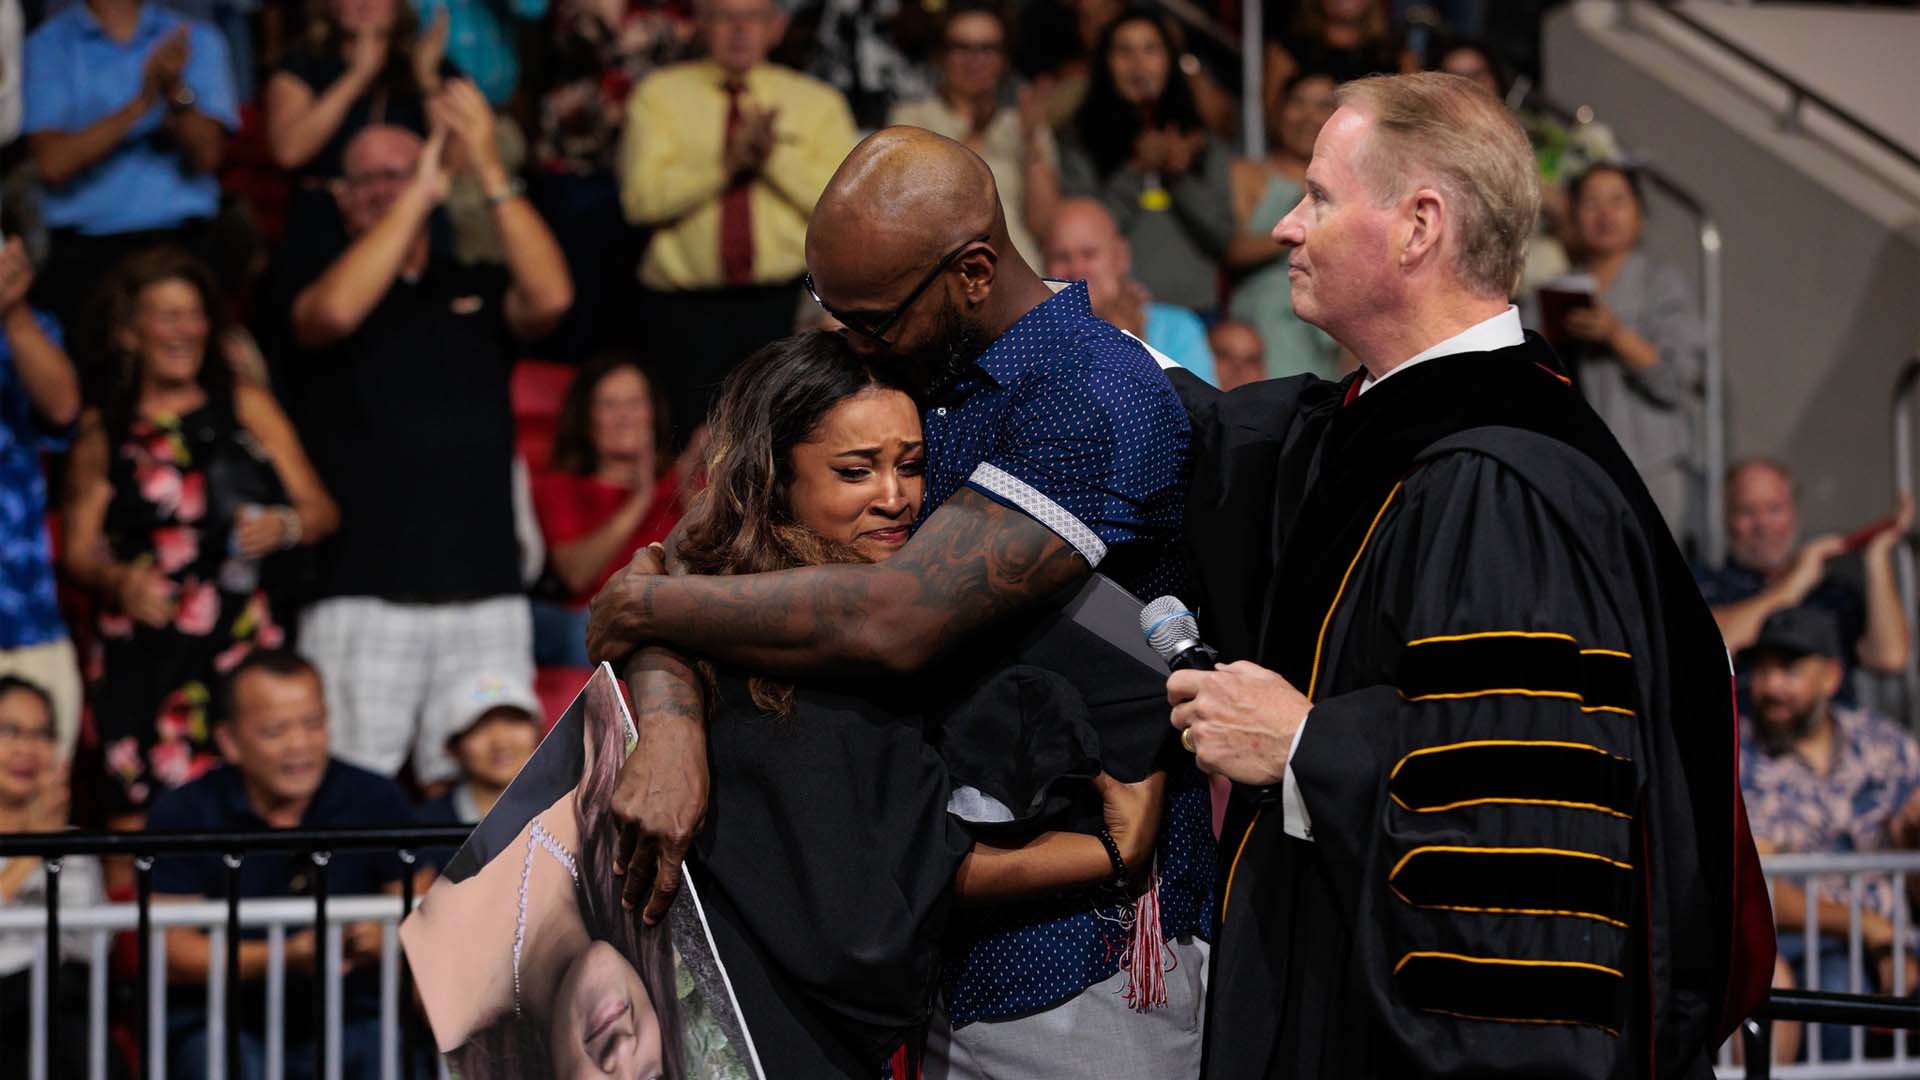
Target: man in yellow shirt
x=725 y=157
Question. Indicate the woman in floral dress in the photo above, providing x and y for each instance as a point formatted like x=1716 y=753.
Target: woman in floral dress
x=180 y=484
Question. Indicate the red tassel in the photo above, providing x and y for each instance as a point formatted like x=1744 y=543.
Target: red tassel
x=1146 y=955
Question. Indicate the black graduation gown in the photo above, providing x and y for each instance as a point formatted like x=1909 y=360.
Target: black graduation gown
x=1528 y=856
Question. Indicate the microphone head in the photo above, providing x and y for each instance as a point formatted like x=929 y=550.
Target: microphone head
x=1169 y=627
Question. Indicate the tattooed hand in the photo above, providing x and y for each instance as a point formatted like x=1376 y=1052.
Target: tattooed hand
x=613 y=615
x=660 y=797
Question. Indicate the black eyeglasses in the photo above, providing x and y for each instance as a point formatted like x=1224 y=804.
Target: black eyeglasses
x=875 y=326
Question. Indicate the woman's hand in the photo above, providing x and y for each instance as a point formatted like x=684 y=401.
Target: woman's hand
x=1596 y=323
x=1151 y=149
x=146 y=596
x=261 y=531
x=366 y=55
x=1132 y=813
x=1183 y=150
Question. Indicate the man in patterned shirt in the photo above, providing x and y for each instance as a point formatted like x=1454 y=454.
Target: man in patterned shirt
x=1055 y=446
x=1824 y=778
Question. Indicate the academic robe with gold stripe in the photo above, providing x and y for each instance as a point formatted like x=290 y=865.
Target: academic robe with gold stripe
x=1527 y=856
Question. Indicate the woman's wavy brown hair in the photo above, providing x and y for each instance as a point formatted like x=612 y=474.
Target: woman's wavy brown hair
x=743 y=522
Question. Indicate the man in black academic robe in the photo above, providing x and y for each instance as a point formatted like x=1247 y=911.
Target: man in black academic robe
x=1486 y=819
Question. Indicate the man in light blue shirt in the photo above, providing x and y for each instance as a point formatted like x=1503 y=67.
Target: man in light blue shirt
x=1084 y=244
x=127 y=110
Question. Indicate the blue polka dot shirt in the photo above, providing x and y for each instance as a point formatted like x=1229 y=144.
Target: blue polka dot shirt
x=1073 y=423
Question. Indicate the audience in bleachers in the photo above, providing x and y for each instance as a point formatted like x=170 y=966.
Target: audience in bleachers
x=1263 y=192
x=725 y=157
x=401 y=388
x=1769 y=568
x=599 y=52
x=180 y=484
x=33 y=799
x=1822 y=778
x=1012 y=137
x=1239 y=356
x=612 y=489
x=1138 y=145
x=278 y=774
x=1086 y=245
x=39 y=401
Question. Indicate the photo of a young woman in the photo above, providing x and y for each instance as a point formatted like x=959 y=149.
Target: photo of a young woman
x=530 y=968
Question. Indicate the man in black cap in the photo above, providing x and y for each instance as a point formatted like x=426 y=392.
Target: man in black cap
x=1825 y=778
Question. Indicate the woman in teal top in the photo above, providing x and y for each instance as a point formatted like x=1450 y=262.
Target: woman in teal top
x=1263 y=192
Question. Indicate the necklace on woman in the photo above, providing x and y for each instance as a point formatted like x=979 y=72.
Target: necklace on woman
x=537 y=837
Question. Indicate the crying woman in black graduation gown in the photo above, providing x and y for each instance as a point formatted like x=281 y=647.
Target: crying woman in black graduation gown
x=829 y=859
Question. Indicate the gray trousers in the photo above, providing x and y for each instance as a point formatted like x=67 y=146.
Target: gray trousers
x=1094 y=1035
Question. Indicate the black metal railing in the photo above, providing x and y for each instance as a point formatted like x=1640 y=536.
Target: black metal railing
x=318 y=845
x=1819 y=1007
x=1799 y=92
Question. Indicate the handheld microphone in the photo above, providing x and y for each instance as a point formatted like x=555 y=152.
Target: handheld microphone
x=1175 y=634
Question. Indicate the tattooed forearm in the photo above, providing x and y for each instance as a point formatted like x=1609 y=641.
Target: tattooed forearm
x=973 y=563
x=665 y=686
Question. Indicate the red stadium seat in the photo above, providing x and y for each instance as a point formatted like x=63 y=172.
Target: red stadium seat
x=556 y=688
x=539 y=388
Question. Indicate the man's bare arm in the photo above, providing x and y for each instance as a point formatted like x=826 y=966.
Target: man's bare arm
x=974 y=562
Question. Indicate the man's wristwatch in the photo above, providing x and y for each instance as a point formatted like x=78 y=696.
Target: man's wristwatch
x=513 y=190
x=182 y=98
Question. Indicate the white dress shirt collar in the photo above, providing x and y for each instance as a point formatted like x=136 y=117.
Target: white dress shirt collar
x=1500 y=332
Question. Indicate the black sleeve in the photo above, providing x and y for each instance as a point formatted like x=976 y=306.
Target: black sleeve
x=1471 y=768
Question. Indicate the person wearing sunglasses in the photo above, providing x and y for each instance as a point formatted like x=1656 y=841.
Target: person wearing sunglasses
x=1056 y=446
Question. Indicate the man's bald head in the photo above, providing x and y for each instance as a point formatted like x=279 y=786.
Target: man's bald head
x=1090 y=215
x=381 y=146
x=1763 y=517
x=377 y=164
x=902 y=199
x=1239 y=356
x=1084 y=244
x=908 y=247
